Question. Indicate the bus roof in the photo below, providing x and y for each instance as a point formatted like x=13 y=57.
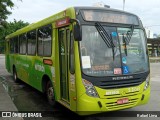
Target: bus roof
x=57 y=16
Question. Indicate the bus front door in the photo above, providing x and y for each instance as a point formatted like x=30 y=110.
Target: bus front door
x=64 y=63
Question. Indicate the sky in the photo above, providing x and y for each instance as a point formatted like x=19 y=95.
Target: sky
x=34 y=10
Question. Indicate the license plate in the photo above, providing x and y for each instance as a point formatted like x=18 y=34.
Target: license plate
x=122 y=101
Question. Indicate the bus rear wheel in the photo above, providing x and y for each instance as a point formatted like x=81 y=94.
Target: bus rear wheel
x=15 y=78
x=50 y=93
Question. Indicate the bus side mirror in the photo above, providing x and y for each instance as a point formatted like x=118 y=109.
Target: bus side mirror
x=77 y=32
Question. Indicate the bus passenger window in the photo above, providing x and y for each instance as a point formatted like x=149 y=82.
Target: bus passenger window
x=45 y=41
x=11 y=46
x=40 y=43
x=31 y=36
x=14 y=45
x=22 y=43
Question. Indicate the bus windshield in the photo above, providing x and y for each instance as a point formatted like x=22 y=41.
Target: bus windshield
x=126 y=56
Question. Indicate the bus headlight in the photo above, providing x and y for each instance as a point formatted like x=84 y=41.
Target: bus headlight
x=90 y=90
x=147 y=82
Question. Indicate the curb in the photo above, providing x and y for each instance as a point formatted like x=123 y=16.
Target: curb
x=6 y=103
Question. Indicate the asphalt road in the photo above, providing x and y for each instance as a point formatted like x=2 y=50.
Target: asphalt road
x=28 y=99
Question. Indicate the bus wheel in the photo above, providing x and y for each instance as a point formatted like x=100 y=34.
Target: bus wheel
x=15 y=78
x=50 y=93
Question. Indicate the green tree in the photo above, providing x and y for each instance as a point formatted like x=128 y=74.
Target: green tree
x=9 y=28
x=4 y=12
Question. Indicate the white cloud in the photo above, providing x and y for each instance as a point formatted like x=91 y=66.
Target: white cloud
x=34 y=10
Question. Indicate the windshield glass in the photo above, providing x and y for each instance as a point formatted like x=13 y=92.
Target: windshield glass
x=99 y=59
x=133 y=51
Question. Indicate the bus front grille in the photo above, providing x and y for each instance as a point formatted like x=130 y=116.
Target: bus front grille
x=115 y=106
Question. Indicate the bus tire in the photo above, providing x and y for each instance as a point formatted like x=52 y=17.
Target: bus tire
x=15 y=78
x=50 y=93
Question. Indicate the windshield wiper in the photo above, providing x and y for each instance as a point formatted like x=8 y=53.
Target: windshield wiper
x=127 y=39
x=105 y=36
x=125 y=45
x=129 y=35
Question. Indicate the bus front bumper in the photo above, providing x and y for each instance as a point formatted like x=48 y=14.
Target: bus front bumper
x=87 y=105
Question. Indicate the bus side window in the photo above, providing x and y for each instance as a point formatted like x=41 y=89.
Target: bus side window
x=11 y=45
x=71 y=55
x=31 y=46
x=16 y=45
x=45 y=41
x=22 y=43
x=40 y=42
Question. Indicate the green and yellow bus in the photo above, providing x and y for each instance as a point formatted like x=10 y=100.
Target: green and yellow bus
x=89 y=59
